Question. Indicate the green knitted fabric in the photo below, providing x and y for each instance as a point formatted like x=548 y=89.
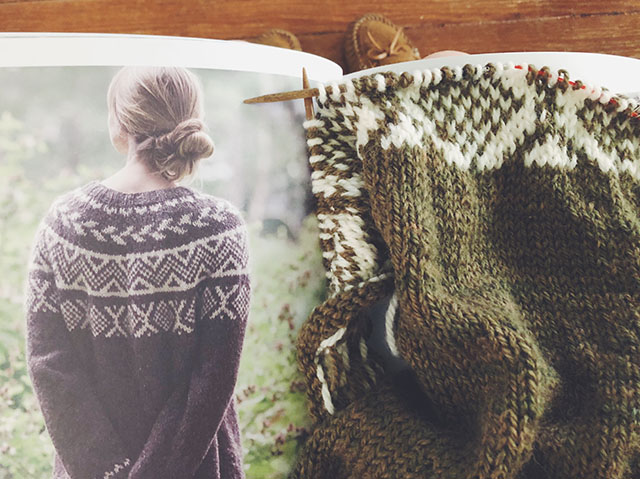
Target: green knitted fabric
x=500 y=205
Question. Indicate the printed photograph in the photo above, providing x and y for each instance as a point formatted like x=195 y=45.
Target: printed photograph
x=159 y=253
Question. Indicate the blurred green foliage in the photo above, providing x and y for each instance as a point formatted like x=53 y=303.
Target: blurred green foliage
x=288 y=281
x=286 y=272
x=25 y=449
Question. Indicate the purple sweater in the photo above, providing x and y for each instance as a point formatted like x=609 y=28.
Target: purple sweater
x=136 y=311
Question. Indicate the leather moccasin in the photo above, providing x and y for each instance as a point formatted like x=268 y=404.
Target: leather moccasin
x=374 y=40
x=278 y=38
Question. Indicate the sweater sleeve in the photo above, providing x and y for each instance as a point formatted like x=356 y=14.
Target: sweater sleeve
x=82 y=434
x=189 y=421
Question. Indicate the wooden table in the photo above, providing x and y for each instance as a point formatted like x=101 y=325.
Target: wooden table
x=474 y=26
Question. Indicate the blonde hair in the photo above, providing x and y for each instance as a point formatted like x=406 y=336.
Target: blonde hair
x=161 y=107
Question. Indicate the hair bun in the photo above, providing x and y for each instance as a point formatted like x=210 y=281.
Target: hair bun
x=185 y=128
x=175 y=154
x=190 y=140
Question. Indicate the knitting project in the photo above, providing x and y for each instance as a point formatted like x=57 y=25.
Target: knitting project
x=499 y=207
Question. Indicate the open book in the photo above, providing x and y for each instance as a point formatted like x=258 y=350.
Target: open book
x=54 y=138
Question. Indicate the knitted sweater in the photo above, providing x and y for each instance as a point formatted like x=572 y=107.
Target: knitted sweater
x=136 y=312
x=499 y=206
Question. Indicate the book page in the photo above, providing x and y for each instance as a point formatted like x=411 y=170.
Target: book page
x=55 y=139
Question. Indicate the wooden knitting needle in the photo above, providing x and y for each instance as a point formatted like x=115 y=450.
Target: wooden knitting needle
x=307 y=94
x=308 y=102
x=284 y=96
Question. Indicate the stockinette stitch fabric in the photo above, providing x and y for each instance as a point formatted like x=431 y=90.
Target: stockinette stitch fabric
x=498 y=206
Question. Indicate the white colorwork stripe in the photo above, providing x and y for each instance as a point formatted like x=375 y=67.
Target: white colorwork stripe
x=150 y=254
x=324 y=345
x=348 y=233
x=331 y=341
x=314 y=123
x=326 y=395
x=186 y=286
x=121 y=263
x=373 y=279
x=389 y=320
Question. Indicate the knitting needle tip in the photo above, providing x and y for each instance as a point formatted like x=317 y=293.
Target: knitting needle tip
x=308 y=102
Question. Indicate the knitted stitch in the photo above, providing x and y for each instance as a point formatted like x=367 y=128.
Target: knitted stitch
x=500 y=206
x=136 y=311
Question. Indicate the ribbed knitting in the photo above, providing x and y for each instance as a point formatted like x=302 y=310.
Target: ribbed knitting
x=136 y=311
x=500 y=206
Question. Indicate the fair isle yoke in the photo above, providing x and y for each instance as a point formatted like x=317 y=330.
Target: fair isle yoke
x=136 y=310
x=110 y=263
x=499 y=206
x=476 y=116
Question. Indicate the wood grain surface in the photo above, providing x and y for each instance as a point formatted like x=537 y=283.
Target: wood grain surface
x=476 y=27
